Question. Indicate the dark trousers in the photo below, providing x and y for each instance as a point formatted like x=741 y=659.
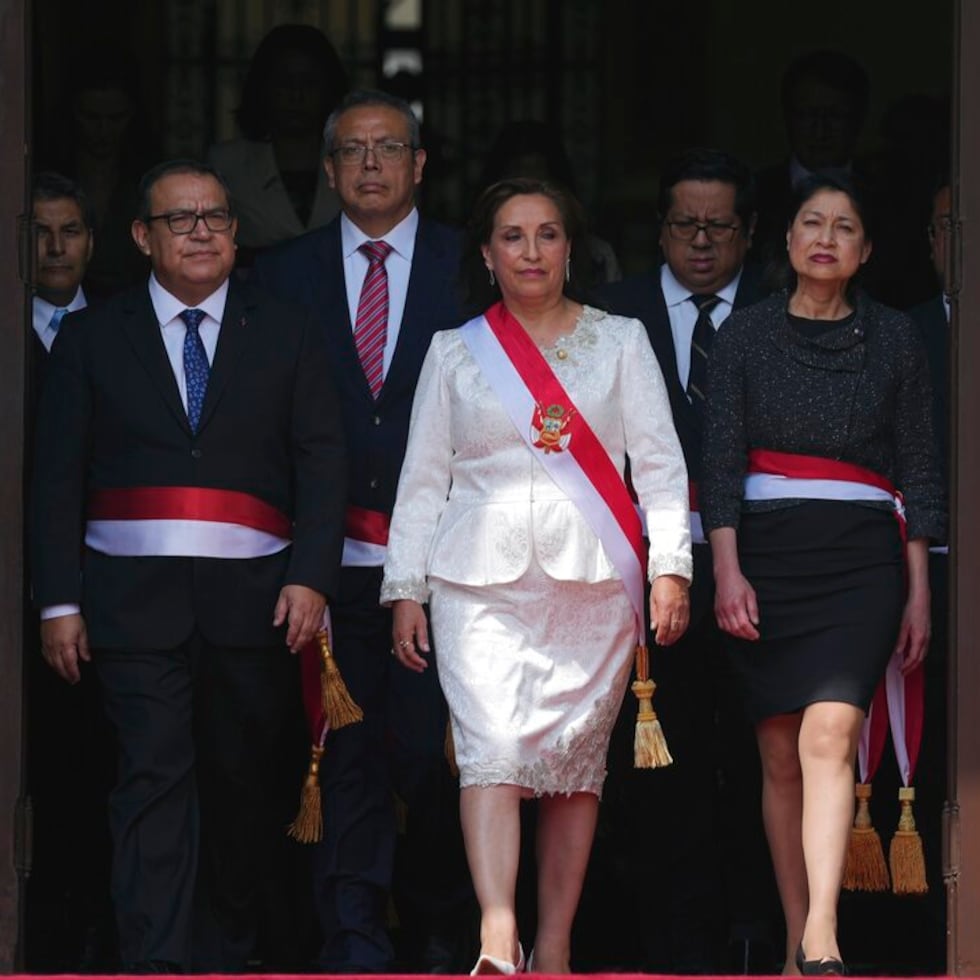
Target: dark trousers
x=397 y=750
x=199 y=729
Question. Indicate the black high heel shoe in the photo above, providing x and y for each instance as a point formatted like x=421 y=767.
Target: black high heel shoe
x=830 y=966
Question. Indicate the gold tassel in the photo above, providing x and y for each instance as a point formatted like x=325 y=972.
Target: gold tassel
x=339 y=707
x=649 y=744
x=307 y=828
x=906 y=857
x=865 y=869
x=449 y=748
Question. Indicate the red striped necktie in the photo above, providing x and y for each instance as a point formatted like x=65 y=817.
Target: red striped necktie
x=371 y=326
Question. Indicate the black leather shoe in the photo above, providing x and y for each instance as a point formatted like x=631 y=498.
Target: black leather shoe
x=830 y=966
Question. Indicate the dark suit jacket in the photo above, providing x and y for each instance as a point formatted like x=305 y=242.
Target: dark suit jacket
x=641 y=297
x=310 y=271
x=930 y=318
x=111 y=417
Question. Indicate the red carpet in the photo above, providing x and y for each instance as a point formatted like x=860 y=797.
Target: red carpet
x=394 y=976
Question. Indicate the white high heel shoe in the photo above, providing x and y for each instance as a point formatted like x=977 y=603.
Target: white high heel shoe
x=493 y=965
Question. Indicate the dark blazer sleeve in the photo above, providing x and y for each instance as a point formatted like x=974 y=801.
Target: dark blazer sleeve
x=319 y=467
x=58 y=483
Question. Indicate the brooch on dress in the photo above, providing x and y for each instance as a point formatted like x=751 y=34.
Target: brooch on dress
x=548 y=428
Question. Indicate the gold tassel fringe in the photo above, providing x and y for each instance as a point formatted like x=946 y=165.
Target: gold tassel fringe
x=449 y=748
x=339 y=707
x=649 y=743
x=865 y=869
x=307 y=828
x=906 y=856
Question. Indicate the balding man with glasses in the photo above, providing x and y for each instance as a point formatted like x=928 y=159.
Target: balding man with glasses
x=707 y=216
x=380 y=280
x=187 y=529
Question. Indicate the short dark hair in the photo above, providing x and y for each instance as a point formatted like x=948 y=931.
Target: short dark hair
x=835 y=180
x=181 y=165
x=835 y=70
x=705 y=163
x=51 y=186
x=252 y=114
x=371 y=97
x=479 y=293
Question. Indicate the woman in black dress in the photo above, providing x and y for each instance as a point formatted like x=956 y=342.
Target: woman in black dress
x=818 y=409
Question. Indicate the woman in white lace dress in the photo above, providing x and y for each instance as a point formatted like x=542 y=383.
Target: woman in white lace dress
x=534 y=629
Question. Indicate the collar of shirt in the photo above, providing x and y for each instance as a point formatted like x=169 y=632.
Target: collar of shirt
x=401 y=238
x=167 y=307
x=43 y=311
x=675 y=294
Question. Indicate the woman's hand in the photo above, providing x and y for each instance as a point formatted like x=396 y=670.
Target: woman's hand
x=914 y=633
x=409 y=634
x=670 y=608
x=916 y=626
x=736 y=608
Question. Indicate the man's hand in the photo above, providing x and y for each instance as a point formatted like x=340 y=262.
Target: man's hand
x=302 y=608
x=64 y=643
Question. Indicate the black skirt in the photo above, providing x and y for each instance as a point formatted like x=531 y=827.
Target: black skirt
x=829 y=581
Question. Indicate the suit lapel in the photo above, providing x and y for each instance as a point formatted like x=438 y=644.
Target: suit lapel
x=427 y=279
x=143 y=332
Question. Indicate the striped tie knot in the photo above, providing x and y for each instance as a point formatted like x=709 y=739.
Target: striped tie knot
x=376 y=252
x=705 y=302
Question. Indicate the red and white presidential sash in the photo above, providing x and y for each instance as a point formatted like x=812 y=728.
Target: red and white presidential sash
x=561 y=439
x=184 y=522
x=773 y=475
x=365 y=537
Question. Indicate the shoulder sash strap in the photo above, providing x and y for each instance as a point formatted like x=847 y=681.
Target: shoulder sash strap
x=559 y=436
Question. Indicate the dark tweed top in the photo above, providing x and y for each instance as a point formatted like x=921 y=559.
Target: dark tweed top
x=859 y=392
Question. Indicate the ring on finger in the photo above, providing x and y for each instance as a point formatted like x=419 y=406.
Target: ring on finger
x=404 y=643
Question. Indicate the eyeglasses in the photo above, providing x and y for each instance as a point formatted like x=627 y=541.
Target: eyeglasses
x=184 y=222
x=941 y=226
x=716 y=231
x=354 y=154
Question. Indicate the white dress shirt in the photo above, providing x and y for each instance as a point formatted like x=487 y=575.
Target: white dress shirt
x=44 y=311
x=398 y=265
x=683 y=315
x=173 y=329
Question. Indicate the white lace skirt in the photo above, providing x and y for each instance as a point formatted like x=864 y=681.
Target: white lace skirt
x=534 y=672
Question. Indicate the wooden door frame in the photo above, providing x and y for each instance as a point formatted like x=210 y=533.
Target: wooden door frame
x=962 y=862
x=14 y=75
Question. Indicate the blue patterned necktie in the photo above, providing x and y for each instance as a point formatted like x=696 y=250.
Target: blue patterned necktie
x=196 y=367
x=56 y=318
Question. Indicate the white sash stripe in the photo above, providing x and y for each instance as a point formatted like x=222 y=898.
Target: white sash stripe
x=562 y=467
x=166 y=538
x=895 y=692
x=771 y=486
x=362 y=554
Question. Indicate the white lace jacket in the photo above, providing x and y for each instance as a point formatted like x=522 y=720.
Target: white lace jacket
x=473 y=501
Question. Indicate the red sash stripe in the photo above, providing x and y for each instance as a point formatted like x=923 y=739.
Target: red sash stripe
x=188 y=504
